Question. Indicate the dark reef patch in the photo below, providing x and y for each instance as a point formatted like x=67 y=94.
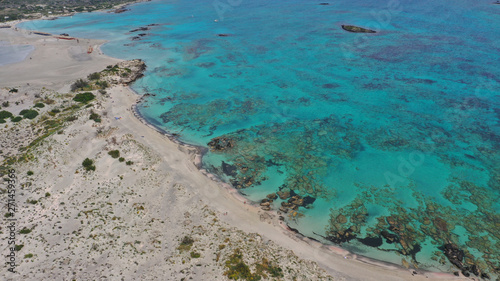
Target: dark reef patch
x=371 y=241
x=229 y=169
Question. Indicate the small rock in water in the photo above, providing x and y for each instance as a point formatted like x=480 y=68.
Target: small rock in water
x=283 y=194
x=272 y=196
x=357 y=29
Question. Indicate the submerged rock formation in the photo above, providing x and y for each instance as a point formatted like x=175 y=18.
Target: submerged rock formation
x=220 y=144
x=357 y=29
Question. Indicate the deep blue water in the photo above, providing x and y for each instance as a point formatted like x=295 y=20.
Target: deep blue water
x=392 y=133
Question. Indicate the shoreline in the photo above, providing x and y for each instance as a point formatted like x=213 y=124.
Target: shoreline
x=56 y=16
x=195 y=155
x=255 y=207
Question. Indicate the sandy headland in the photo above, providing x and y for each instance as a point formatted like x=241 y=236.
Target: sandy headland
x=141 y=208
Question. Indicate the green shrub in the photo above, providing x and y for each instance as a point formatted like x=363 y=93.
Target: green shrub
x=47 y=194
x=121 y=159
x=39 y=105
x=27 y=256
x=2 y=121
x=114 y=153
x=102 y=84
x=32 y=201
x=5 y=104
x=13 y=90
x=71 y=118
x=29 y=114
x=129 y=163
x=49 y=101
x=17 y=119
x=55 y=110
x=5 y=114
x=84 y=97
x=79 y=84
x=237 y=269
x=96 y=117
x=88 y=164
x=186 y=244
x=30 y=173
x=195 y=255
x=25 y=231
x=94 y=76
x=18 y=247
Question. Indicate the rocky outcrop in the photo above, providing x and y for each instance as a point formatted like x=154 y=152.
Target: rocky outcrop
x=357 y=29
x=220 y=144
x=454 y=254
x=126 y=72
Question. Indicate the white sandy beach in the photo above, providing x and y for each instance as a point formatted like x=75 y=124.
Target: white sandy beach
x=125 y=222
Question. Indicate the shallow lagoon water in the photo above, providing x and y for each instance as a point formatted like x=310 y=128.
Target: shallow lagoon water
x=395 y=132
x=14 y=53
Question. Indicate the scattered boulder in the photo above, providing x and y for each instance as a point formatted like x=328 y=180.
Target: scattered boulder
x=357 y=29
x=272 y=196
x=474 y=269
x=454 y=254
x=296 y=200
x=284 y=194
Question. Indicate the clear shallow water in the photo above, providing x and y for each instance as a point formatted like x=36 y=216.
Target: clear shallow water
x=396 y=132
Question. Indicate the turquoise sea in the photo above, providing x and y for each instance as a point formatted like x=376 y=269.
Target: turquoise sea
x=391 y=139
